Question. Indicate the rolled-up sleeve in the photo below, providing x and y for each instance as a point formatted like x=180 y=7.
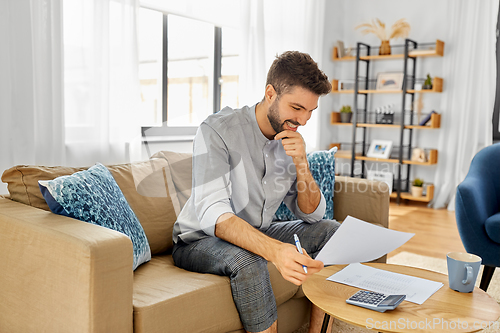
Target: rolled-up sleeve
x=292 y=204
x=211 y=182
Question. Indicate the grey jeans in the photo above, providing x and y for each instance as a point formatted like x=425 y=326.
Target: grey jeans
x=248 y=273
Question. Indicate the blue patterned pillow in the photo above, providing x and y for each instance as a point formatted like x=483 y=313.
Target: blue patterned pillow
x=94 y=196
x=322 y=166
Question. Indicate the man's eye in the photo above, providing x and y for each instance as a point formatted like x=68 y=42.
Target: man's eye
x=295 y=108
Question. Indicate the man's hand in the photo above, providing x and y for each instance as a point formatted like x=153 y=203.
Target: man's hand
x=284 y=256
x=294 y=145
x=309 y=195
x=289 y=263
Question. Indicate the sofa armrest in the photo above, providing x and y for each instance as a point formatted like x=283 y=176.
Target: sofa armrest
x=364 y=199
x=59 y=274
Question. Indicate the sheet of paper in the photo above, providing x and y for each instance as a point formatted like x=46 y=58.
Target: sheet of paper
x=417 y=290
x=359 y=241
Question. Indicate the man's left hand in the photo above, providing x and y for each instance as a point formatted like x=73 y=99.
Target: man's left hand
x=294 y=145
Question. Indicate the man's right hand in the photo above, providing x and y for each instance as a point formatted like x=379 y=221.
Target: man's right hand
x=289 y=263
x=284 y=256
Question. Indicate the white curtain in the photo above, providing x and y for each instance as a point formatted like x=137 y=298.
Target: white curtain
x=270 y=27
x=31 y=97
x=470 y=93
x=71 y=102
x=102 y=94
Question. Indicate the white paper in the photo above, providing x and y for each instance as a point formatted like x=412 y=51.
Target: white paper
x=417 y=290
x=359 y=241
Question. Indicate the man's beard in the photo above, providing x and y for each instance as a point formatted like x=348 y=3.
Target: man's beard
x=274 y=117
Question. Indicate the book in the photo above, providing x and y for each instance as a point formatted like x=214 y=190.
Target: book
x=426 y=119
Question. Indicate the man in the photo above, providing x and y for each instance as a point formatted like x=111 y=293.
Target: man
x=245 y=163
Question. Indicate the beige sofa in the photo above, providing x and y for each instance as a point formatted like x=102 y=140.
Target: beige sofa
x=59 y=274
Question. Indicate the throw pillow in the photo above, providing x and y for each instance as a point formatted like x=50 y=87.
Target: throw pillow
x=94 y=196
x=322 y=166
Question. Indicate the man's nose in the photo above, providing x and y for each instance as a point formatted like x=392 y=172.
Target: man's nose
x=302 y=120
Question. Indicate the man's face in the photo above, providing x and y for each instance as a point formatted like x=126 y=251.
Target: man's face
x=292 y=109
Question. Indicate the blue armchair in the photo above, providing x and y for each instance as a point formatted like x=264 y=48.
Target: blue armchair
x=477 y=210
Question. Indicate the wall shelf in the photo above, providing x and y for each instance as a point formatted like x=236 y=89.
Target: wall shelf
x=438 y=51
x=345 y=154
x=434 y=122
x=437 y=87
x=407 y=196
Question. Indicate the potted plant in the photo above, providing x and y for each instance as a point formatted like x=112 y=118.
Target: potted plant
x=345 y=114
x=427 y=83
x=400 y=29
x=417 y=187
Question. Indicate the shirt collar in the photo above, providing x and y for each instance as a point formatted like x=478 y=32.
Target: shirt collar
x=258 y=133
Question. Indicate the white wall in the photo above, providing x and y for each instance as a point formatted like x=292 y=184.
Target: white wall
x=428 y=21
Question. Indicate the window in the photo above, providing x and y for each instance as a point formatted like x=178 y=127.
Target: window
x=190 y=92
x=150 y=37
x=187 y=69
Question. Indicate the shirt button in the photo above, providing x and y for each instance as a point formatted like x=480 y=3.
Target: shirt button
x=265 y=182
x=267 y=155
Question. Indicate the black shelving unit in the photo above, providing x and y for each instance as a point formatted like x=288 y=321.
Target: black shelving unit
x=362 y=117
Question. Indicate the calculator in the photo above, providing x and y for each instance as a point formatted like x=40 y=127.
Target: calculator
x=375 y=301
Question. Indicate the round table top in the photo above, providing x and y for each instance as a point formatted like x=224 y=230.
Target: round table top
x=445 y=311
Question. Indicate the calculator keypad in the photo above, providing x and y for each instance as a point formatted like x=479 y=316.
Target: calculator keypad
x=368 y=297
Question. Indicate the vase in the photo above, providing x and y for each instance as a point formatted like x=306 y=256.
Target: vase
x=385 y=48
x=416 y=191
x=345 y=117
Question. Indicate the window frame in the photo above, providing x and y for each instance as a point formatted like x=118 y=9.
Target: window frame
x=185 y=131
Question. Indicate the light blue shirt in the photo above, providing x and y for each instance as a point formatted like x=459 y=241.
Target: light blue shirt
x=236 y=169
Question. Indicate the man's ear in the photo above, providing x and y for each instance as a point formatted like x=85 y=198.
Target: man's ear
x=270 y=94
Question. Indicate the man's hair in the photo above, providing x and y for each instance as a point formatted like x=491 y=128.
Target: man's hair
x=293 y=68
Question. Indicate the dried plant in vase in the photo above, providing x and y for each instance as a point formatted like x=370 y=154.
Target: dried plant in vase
x=400 y=29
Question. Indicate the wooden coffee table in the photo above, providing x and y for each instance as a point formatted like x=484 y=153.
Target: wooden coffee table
x=445 y=311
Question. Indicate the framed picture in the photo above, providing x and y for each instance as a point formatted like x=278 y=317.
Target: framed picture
x=390 y=81
x=380 y=149
x=381 y=176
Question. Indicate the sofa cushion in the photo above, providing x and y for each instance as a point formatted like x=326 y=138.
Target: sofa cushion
x=22 y=182
x=143 y=184
x=93 y=196
x=170 y=299
x=178 y=176
x=322 y=166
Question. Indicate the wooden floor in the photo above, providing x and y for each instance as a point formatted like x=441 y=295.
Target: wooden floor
x=435 y=230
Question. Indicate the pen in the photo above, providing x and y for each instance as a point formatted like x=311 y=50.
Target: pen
x=299 y=248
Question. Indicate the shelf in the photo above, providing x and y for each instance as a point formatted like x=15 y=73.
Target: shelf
x=378 y=125
x=434 y=122
x=437 y=52
x=433 y=158
x=341 y=124
x=402 y=120
x=406 y=195
x=437 y=87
